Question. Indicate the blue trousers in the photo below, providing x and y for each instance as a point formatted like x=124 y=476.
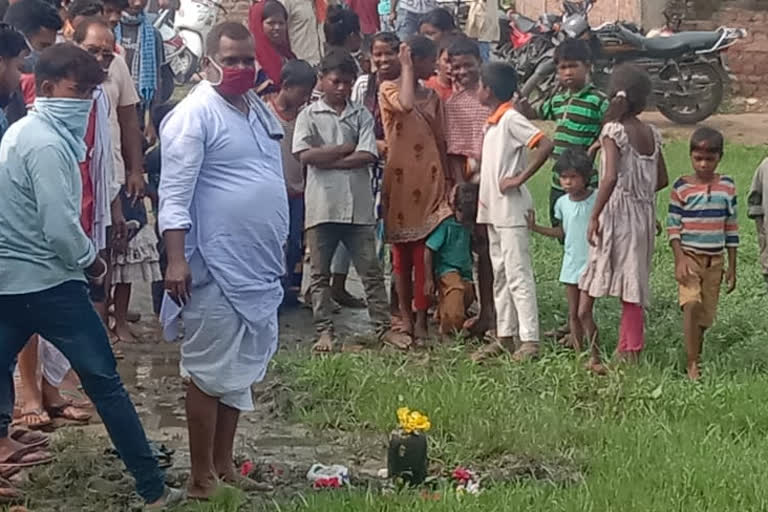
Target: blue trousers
x=294 y=251
x=64 y=315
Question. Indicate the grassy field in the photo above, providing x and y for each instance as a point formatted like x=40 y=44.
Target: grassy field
x=642 y=438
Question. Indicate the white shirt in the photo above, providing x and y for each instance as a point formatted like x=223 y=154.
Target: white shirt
x=508 y=134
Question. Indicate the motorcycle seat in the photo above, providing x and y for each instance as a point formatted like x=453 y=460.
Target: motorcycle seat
x=675 y=44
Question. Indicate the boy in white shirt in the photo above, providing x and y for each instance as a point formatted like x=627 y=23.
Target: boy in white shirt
x=503 y=203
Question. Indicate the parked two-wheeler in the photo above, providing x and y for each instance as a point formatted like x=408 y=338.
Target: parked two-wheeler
x=184 y=31
x=689 y=69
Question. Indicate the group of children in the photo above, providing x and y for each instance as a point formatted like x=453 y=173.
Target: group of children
x=449 y=174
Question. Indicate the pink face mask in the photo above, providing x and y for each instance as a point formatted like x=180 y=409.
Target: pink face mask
x=234 y=81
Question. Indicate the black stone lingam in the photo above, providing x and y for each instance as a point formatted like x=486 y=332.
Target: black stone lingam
x=407 y=457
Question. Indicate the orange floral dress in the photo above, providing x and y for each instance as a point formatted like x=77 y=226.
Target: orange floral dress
x=413 y=188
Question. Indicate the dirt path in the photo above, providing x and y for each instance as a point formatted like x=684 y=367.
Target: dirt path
x=750 y=129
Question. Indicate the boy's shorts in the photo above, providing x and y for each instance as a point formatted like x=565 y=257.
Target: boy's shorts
x=704 y=286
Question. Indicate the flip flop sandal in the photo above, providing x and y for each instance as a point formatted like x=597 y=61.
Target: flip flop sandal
x=22 y=419
x=77 y=398
x=69 y=412
x=29 y=438
x=403 y=345
x=25 y=458
x=9 y=495
x=171 y=498
x=8 y=472
x=489 y=351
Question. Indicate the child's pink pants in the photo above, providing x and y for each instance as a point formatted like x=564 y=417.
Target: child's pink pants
x=631 y=331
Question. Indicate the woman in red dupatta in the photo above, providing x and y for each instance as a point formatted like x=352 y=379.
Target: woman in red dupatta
x=267 y=21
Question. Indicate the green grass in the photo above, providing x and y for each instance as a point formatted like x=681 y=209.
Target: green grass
x=644 y=438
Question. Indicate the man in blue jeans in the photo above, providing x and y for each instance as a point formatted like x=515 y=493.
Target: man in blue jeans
x=45 y=258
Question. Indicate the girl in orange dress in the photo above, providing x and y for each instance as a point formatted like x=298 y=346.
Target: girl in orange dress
x=413 y=195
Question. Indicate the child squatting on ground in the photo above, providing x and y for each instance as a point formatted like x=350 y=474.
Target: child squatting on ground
x=449 y=259
x=572 y=211
x=622 y=230
x=503 y=204
x=702 y=225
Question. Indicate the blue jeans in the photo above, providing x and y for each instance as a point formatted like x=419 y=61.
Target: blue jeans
x=64 y=315
x=407 y=24
x=294 y=251
x=485 y=50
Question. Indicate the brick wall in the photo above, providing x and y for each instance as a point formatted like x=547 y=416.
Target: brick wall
x=604 y=10
x=748 y=59
x=237 y=10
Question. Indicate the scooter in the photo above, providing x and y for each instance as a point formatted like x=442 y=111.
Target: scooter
x=184 y=32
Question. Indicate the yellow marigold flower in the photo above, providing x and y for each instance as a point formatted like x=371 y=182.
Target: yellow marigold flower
x=412 y=421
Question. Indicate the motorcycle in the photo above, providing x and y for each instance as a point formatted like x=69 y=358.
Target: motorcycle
x=689 y=70
x=184 y=32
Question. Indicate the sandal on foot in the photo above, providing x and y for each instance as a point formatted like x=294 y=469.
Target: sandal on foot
x=398 y=340
x=171 y=497
x=26 y=457
x=492 y=350
x=29 y=437
x=9 y=495
x=25 y=418
x=526 y=352
x=69 y=412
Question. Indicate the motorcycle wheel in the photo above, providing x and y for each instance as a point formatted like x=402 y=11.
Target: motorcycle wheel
x=705 y=82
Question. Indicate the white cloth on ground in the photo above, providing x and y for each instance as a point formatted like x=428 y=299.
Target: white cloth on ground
x=514 y=286
x=217 y=164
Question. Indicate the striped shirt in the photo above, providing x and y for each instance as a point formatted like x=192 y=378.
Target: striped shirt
x=703 y=216
x=579 y=118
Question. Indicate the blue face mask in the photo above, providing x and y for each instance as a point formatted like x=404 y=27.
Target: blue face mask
x=70 y=118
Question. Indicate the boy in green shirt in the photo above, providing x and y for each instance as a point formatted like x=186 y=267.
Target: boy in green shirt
x=449 y=258
x=578 y=110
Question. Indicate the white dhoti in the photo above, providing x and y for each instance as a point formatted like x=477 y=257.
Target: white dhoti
x=222 y=353
x=55 y=364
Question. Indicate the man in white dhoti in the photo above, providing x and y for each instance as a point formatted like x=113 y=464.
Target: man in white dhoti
x=224 y=218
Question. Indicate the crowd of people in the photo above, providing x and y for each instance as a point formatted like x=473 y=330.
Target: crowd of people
x=315 y=138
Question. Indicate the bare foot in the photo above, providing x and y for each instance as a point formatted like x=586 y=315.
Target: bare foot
x=477 y=326
x=628 y=357
x=245 y=484
x=572 y=342
x=596 y=367
x=694 y=373
x=420 y=332
x=202 y=491
x=324 y=345
x=124 y=334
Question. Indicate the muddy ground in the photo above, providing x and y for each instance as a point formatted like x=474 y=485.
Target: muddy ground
x=84 y=478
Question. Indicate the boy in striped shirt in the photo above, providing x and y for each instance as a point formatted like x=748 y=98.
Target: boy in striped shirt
x=702 y=226
x=577 y=110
